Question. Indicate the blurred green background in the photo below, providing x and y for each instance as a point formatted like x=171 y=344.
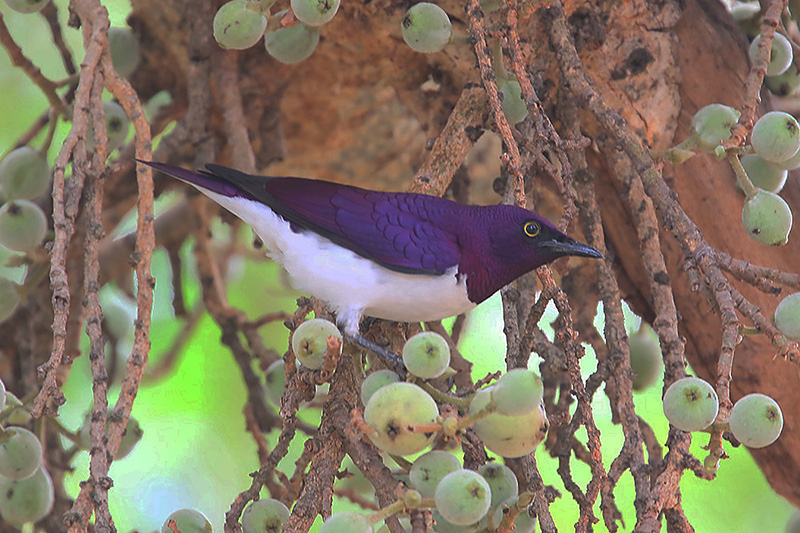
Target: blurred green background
x=195 y=452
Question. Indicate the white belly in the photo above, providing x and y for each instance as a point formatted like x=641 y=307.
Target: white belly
x=351 y=284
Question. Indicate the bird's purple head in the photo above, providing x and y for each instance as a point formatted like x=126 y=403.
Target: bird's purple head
x=509 y=242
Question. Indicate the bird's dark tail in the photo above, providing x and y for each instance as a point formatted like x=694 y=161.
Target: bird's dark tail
x=217 y=179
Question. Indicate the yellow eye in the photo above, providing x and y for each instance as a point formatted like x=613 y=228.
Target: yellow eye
x=531 y=229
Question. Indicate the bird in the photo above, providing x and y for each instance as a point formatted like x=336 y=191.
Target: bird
x=398 y=256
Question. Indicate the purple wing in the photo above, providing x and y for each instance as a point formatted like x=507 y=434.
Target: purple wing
x=396 y=230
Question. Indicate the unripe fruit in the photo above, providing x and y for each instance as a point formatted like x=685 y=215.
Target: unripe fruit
x=426 y=355
x=508 y=436
x=691 y=404
x=790 y=164
x=23 y=225
x=130 y=437
x=463 y=497
x=780 y=56
x=426 y=27
x=513 y=105
x=9 y=298
x=24 y=174
x=2 y=395
x=19 y=415
x=310 y=341
x=124 y=48
x=20 y=454
x=766 y=218
x=292 y=45
x=346 y=522
x=275 y=378
x=711 y=463
x=524 y=522
x=763 y=174
x=237 y=27
x=496 y=513
x=27 y=6
x=392 y=409
x=502 y=482
x=744 y=11
x=26 y=500
x=441 y=525
x=756 y=420
x=712 y=125
x=405 y=523
x=412 y=498
x=645 y=352
x=117 y=127
x=428 y=469
x=784 y=84
x=793 y=525
x=119 y=314
x=746 y=14
x=517 y=392
x=314 y=12
x=376 y=380
x=776 y=136
x=156 y=103
x=188 y=521
x=787 y=316
x=264 y=516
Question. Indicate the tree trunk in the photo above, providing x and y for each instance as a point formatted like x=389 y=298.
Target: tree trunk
x=367 y=110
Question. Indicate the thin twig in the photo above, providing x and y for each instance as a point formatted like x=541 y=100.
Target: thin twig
x=50 y=14
x=100 y=457
x=19 y=60
x=757 y=275
x=225 y=70
x=512 y=159
x=464 y=127
x=758 y=70
x=66 y=196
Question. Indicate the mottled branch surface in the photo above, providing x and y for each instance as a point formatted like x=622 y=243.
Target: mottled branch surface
x=710 y=41
x=604 y=83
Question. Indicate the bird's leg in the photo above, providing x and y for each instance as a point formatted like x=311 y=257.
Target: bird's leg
x=391 y=359
x=348 y=321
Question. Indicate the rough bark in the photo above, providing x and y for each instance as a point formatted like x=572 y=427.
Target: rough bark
x=366 y=110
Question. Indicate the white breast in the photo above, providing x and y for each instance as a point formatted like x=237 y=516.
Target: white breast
x=351 y=284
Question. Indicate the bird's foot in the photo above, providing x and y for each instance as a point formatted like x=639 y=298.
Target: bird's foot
x=394 y=361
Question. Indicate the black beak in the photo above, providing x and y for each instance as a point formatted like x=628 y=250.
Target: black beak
x=570 y=247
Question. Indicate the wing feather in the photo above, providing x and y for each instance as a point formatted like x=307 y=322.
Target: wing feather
x=396 y=230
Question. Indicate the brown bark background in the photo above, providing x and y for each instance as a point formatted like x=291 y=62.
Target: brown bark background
x=707 y=63
x=344 y=115
x=367 y=110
